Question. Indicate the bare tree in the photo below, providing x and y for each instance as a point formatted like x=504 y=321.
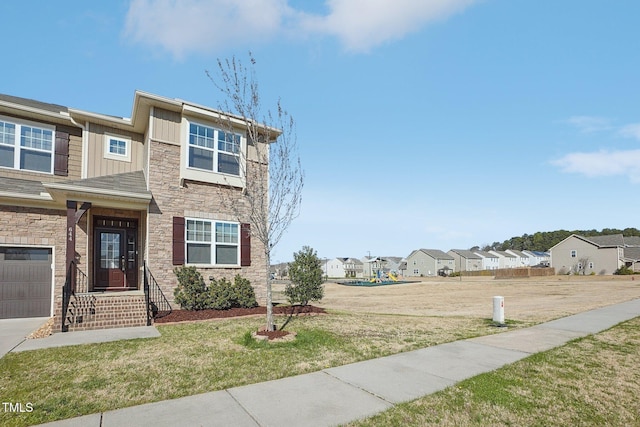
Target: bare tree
x=582 y=266
x=270 y=164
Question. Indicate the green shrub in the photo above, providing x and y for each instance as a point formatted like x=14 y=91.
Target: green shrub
x=222 y=294
x=191 y=292
x=624 y=270
x=306 y=278
x=245 y=296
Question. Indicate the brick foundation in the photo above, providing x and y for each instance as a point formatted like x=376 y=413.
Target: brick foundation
x=103 y=311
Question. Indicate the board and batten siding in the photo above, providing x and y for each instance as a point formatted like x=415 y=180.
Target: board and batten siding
x=166 y=126
x=98 y=165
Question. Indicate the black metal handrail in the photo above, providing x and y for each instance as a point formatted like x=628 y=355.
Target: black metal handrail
x=67 y=291
x=157 y=304
x=81 y=282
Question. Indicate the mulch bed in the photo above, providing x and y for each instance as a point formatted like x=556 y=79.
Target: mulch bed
x=195 y=315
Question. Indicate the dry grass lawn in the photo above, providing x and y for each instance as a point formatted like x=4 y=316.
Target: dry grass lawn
x=363 y=323
x=531 y=300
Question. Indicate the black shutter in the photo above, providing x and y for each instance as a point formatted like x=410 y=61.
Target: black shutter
x=245 y=245
x=61 y=160
x=178 y=240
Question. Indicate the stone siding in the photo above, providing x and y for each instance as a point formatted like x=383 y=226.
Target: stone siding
x=193 y=199
x=22 y=226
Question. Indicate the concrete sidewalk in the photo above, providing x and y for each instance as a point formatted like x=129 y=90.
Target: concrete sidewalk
x=346 y=393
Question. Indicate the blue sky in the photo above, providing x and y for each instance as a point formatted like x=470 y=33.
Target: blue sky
x=436 y=124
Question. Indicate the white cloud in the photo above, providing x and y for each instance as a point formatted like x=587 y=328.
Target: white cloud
x=590 y=124
x=631 y=131
x=602 y=163
x=185 y=26
x=364 y=24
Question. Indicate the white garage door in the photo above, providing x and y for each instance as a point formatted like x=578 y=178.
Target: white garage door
x=25 y=282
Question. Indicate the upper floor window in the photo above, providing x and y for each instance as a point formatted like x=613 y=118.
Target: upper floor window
x=27 y=147
x=574 y=253
x=213 y=149
x=117 y=148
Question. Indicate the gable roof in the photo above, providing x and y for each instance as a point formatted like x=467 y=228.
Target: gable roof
x=605 y=241
x=517 y=253
x=503 y=254
x=434 y=253
x=32 y=103
x=466 y=253
x=632 y=253
x=632 y=241
x=485 y=254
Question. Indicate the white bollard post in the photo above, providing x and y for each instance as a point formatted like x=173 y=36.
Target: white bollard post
x=498 y=310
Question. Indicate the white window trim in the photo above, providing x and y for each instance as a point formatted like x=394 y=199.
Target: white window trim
x=213 y=243
x=113 y=156
x=203 y=175
x=17 y=143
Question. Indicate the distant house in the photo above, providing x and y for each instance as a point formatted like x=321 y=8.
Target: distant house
x=595 y=254
x=371 y=266
x=537 y=258
x=466 y=260
x=489 y=260
x=522 y=259
x=505 y=259
x=429 y=262
x=339 y=268
x=391 y=264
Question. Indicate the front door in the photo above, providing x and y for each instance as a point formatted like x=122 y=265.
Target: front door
x=115 y=254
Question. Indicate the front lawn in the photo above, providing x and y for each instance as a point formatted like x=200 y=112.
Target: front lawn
x=206 y=356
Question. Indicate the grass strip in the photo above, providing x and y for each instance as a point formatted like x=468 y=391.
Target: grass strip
x=591 y=381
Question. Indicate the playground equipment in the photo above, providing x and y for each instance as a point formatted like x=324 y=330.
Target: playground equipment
x=381 y=278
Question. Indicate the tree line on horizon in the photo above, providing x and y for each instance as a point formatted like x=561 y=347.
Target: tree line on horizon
x=544 y=240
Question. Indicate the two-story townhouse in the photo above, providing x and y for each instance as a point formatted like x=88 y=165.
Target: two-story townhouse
x=429 y=262
x=97 y=210
x=466 y=260
x=522 y=259
x=598 y=254
x=391 y=264
x=353 y=268
x=489 y=260
x=505 y=259
x=343 y=267
x=537 y=258
x=372 y=266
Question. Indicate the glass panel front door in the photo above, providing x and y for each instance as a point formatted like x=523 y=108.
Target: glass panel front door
x=115 y=255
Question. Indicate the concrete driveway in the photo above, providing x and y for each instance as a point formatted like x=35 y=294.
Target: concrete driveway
x=14 y=331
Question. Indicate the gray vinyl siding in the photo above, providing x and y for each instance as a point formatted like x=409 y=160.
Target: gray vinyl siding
x=605 y=260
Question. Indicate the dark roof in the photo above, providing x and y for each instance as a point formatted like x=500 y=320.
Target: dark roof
x=437 y=254
x=632 y=253
x=130 y=182
x=466 y=253
x=54 y=108
x=608 y=240
x=485 y=254
x=21 y=186
x=632 y=241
